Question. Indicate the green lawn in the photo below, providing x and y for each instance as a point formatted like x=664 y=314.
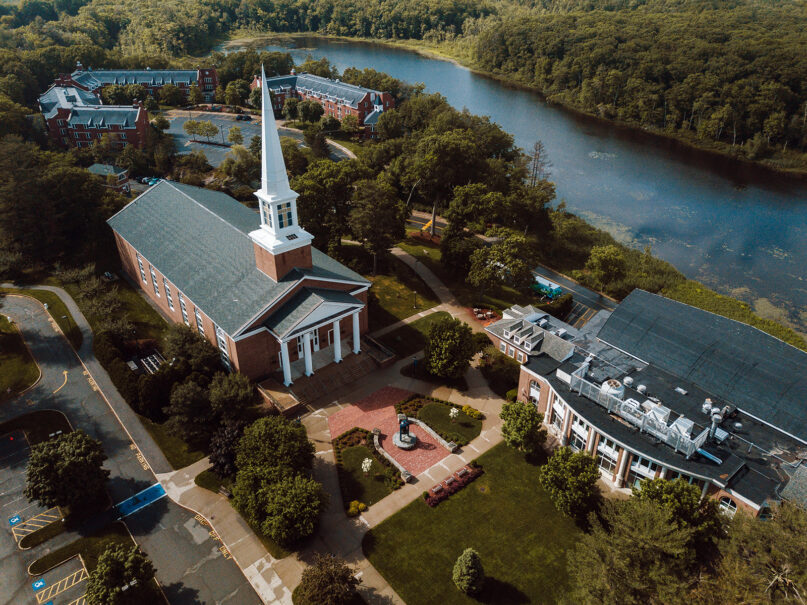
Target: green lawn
x=37 y=426
x=57 y=309
x=178 y=453
x=411 y=338
x=211 y=481
x=499 y=299
x=436 y=415
x=18 y=370
x=89 y=547
x=505 y=515
x=355 y=484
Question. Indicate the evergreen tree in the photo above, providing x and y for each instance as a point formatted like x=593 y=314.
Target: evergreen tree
x=468 y=574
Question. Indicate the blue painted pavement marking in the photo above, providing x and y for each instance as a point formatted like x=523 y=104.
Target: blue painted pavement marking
x=12 y=521
x=38 y=585
x=140 y=500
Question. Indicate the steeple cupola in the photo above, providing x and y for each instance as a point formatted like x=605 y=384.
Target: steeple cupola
x=280 y=243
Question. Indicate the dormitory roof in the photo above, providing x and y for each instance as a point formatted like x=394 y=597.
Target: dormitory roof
x=64 y=97
x=93 y=79
x=341 y=92
x=103 y=116
x=763 y=376
x=199 y=239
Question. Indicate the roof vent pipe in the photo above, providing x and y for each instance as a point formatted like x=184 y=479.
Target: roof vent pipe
x=717 y=418
x=707 y=407
x=642 y=389
x=627 y=381
x=738 y=426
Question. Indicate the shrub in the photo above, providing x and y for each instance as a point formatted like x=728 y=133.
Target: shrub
x=468 y=574
x=472 y=412
x=500 y=371
x=511 y=395
x=523 y=426
x=474 y=472
x=329 y=581
x=356 y=508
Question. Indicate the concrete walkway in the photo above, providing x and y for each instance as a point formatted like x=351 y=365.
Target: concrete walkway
x=271 y=578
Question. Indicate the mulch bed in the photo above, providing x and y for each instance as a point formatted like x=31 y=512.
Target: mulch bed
x=451 y=485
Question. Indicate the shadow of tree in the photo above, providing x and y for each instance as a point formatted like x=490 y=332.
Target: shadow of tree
x=501 y=593
x=179 y=594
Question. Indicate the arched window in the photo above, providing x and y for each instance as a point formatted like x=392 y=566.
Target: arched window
x=728 y=506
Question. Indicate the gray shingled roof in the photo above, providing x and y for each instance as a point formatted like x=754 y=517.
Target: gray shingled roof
x=93 y=79
x=103 y=115
x=199 y=239
x=105 y=170
x=64 y=97
x=349 y=94
x=288 y=318
x=760 y=374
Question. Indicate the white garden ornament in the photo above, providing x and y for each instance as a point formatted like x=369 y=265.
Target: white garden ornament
x=453 y=413
x=366 y=464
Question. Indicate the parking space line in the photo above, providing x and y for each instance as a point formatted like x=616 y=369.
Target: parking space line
x=64 y=584
x=34 y=523
x=82 y=600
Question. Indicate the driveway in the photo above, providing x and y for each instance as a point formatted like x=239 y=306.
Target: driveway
x=66 y=386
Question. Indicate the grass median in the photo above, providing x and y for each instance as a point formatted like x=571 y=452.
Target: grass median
x=18 y=370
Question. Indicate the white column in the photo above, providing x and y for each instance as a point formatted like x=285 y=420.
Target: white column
x=663 y=473
x=284 y=358
x=337 y=342
x=620 y=473
x=706 y=485
x=309 y=369
x=564 y=435
x=356 y=335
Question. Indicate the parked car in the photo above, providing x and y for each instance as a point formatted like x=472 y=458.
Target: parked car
x=154 y=181
x=244 y=117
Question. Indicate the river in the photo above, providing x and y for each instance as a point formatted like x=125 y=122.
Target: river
x=739 y=229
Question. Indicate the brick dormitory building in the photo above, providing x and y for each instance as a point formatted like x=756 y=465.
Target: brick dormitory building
x=659 y=389
x=249 y=282
x=75 y=116
x=338 y=99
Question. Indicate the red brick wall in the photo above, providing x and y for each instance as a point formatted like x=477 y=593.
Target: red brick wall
x=134 y=136
x=716 y=493
x=277 y=266
x=524 y=379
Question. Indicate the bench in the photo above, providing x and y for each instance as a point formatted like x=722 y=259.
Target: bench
x=462 y=472
x=450 y=480
x=437 y=489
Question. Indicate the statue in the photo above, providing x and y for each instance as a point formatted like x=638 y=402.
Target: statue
x=403 y=427
x=403 y=439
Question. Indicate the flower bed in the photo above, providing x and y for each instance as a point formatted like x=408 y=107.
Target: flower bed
x=452 y=484
x=352 y=479
x=461 y=430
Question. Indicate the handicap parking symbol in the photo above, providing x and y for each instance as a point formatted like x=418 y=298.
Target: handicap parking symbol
x=38 y=585
x=12 y=521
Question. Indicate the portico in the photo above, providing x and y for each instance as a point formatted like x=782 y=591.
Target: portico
x=318 y=338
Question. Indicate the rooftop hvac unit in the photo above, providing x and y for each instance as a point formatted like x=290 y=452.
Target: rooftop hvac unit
x=543 y=322
x=680 y=391
x=706 y=408
x=642 y=389
x=613 y=388
x=562 y=332
x=628 y=381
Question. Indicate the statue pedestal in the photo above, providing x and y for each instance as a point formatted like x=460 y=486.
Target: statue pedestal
x=404 y=442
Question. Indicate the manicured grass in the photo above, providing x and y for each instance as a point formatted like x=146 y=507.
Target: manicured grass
x=411 y=338
x=398 y=293
x=178 y=453
x=18 y=369
x=89 y=547
x=419 y=372
x=505 y=515
x=436 y=415
x=211 y=481
x=369 y=488
x=37 y=426
x=498 y=299
x=57 y=309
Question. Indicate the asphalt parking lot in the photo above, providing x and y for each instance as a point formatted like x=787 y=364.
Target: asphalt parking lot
x=193 y=571
x=215 y=153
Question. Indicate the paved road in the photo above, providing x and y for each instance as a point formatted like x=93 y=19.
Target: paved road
x=581 y=294
x=169 y=533
x=215 y=153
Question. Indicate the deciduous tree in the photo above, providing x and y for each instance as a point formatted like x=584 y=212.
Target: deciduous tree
x=275 y=441
x=66 y=471
x=378 y=217
x=234 y=136
x=171 y=95
x=123 y=575
x=328 y=581
x=449 y=348
x=571 y=478
x=310 y=111
x=522 y=426
x=292 y=508
x=606 y=264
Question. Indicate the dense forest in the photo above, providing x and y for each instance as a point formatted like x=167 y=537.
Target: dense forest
x=729 y=76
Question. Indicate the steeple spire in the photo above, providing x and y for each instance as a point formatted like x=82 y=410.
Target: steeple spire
x=274 y=180
x=280 y=233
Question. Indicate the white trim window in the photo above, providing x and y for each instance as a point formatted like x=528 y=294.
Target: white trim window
x=520 y=357
x=579 y=436
x=142 y=270
x=154 y=281
x=511 y=352
x=199 y=323
x=641 y=469
x=503 y=348
x=221 y=340
x=607 y=455
x=168 y=296
x=727 y=506
x=184 y=309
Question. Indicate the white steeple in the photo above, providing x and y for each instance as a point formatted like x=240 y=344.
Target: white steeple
x=280 y=231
